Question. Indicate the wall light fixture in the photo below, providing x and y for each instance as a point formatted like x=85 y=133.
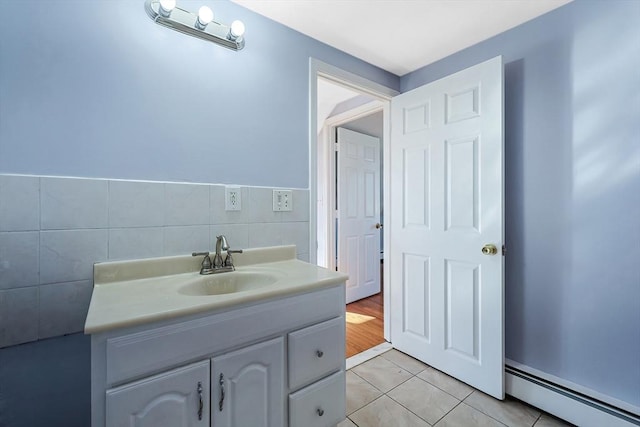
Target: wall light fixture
x=201 y=25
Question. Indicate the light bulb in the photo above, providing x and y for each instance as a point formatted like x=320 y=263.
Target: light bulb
x=167 y=5
x=205 y=15
x=237 y=30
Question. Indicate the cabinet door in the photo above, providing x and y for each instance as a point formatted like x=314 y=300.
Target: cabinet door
x=248 y=386
x=174 y=398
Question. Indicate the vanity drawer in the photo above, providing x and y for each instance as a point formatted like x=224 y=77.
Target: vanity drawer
x=315 y=352
x=322 y=404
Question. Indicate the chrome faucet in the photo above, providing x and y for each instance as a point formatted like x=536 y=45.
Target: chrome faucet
x=221 y=245
x=227 y=265
x=218 y=265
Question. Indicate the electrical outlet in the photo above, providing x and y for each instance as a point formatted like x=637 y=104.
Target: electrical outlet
x=232 y=199
x=282 y=200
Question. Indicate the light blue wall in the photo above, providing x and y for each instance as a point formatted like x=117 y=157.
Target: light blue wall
x=572 y=149
x=96 y=89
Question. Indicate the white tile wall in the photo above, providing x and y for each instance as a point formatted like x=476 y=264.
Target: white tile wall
x=63 y=307
x=68 y=255
x=300 y=212
x=67 y=203
x=186 y=239
x=19 y=203
x=261 y=200
x=133 y=243
x=19 y=259
x=280 y=233
x=18 y=316
x=186 y=204
x=136 y=204
x=52 y=230
x=237 y=234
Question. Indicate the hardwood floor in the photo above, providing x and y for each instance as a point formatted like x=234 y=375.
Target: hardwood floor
x=365 y=324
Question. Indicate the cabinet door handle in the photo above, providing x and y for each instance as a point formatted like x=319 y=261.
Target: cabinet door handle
x=221 y=392
x=201 y=402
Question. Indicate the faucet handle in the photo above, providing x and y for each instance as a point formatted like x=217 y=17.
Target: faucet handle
x=206 y=262
x=228 y=261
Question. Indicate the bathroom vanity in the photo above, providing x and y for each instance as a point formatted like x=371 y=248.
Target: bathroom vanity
x=261 y=346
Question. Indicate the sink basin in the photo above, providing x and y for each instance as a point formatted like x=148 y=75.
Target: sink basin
x=227 y=283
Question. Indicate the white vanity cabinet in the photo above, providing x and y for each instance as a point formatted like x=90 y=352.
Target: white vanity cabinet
x=273 y=363
x=179 y=397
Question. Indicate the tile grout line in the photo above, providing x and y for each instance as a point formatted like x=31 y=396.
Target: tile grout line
x=374 y=400
x=537 y=419
x=481 y=411
x=383 y=393
x=416 y=376
x=448 y=412
x=429 y=382
x=398 y=385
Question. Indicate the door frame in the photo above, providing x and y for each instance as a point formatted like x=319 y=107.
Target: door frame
x=319 y=69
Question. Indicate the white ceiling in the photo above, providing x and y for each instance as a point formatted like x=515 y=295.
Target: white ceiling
x=401 y=36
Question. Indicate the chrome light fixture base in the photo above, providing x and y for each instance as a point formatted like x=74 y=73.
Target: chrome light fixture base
x=187 y=23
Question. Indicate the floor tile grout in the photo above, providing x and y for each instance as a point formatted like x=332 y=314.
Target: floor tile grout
x=537 y=419
x=450 y=410
x=412 y=375
x=398 y=385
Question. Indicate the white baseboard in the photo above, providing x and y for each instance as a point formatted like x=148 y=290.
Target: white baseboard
x=580 y=389
x=564 y=404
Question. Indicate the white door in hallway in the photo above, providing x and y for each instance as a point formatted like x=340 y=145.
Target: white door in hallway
x=359 y=212
x=446 y=225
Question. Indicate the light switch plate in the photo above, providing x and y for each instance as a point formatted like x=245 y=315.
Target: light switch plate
x=232 y=199
x=282 y=200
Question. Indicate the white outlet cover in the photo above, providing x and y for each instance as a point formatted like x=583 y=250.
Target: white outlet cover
x=282 y=200
x=232 y=199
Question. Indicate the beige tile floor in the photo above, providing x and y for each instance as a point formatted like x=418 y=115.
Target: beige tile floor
x=395 y=390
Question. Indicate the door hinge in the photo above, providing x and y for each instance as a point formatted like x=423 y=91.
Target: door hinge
x=504 y=250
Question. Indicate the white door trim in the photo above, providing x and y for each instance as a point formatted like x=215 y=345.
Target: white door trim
x=384 y=94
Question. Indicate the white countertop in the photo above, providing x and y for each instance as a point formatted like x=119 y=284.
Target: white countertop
x=129 y=293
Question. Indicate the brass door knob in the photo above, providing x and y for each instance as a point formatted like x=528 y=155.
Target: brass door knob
x=378 y=226
x=489 y=249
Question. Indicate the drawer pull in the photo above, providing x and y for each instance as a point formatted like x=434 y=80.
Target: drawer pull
x=320 y=412
x=319 y=353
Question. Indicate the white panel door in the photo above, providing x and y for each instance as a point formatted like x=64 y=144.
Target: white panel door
x=446 y=206
x=359 y=212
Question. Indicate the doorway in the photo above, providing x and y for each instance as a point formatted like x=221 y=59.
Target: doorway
x=364 y=104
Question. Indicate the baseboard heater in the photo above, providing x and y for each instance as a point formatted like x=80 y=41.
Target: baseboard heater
x=565 y=403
